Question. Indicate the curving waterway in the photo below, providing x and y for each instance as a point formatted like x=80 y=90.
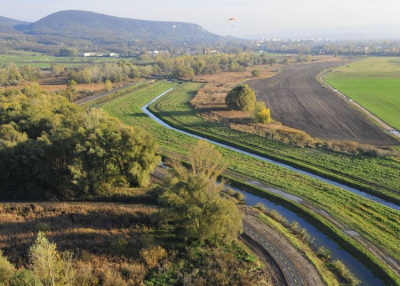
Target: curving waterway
x=366 y=276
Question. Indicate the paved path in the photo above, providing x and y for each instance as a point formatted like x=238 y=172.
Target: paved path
x=290 y=272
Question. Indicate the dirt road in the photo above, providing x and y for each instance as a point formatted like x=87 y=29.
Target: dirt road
x=297 y=99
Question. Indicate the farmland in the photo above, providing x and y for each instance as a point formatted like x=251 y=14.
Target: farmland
x=298 y=100
x=376 y=175
x=378 y=225
x=374 y=83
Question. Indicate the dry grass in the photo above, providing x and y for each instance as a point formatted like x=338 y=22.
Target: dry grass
x=84 y=228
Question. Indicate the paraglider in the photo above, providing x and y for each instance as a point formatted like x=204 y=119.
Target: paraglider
x=232 y=19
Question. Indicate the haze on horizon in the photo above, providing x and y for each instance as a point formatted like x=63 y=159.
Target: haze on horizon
x=255 y=17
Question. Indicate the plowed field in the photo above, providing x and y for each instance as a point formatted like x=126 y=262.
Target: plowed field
x=298 y=100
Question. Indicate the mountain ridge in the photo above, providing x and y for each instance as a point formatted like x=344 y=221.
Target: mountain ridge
x=89 y=25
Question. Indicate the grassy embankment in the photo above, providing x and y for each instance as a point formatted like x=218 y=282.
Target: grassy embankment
x=374 y=83
x=377 y=223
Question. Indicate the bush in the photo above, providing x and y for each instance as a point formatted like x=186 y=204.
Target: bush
x=241 y=97
x=255 y=73
x=119 y=245
x=43 y=227
x=151 y=256
x=261 y=113
x=108 y=85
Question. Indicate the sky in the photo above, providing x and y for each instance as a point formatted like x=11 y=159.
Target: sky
x=254 y=17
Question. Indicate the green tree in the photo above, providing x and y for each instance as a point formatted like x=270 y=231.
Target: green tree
x=241 y=97
x=109 y=154
x=193 y=201
x=108 y=85
x=262 y=114
x=255 y=73
x=67 y=52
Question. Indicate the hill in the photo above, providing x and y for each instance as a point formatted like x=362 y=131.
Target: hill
x=90 y=26
x=10 y=22
x=7 y=24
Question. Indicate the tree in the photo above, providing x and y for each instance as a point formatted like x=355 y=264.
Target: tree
x=70 y=91
x=241 y=97
x=109 y=154
x=45 y=260
x=108 y=85
x=7 y=270
x=255 y=73
x=67 y=52
x=48 y=266
x=262 y=114
x=193 y=202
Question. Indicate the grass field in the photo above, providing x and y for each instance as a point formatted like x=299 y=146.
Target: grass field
x=374 y=83
x=376 y=223
x=43 y=61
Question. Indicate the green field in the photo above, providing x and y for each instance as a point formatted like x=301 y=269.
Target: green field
x=45 y=61
x=374 y=83
x=376 y=223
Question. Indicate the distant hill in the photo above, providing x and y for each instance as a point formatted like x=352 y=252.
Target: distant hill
x=7 y=24
x=11 y=22
x=89 y=25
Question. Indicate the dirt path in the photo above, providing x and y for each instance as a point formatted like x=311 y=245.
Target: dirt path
x=297 y=99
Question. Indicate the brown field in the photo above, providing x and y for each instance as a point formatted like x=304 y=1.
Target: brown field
x=211 y=98
x=298 y=100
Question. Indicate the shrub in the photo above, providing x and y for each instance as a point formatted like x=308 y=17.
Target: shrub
x=151 y=256
x=255 y=73
x=261 y=113
x=43 y=227
x=119 y=245
x=108 y=85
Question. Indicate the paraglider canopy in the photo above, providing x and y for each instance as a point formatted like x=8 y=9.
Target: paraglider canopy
x=232 y=19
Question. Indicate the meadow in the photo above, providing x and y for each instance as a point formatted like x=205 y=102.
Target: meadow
x=376 y=223
x=39 y=60
x=374 y=83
